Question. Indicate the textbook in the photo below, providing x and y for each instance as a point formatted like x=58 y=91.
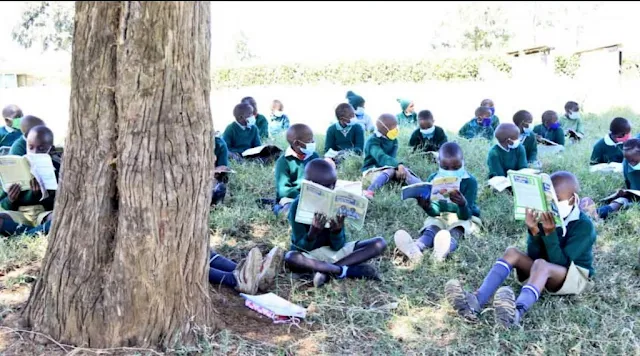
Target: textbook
x=543 y=141
x=628 y=193
x=574 y=135
x=331 y=153
x=343 y=200
x=418 y=190
x=500 y=183
x=274 y=307
x=262 y=151
x=614 y=167
x=438 y=189
x=21 y=169
x=534 y=191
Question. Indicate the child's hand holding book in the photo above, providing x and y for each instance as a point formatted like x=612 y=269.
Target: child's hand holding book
x=548 y=223
x=424 y=203
x=14 y=192
x=457 y=198
x=336 y=225
x=531 y=220
x=317 y=225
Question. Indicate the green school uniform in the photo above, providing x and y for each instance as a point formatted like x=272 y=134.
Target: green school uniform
x=631 y=176
x=29 y=198
x=240 y=139
x=300 y=235
x=530 y=145
x=404 y=119
x=263 y=126
x=425 y=143
x=501 y=161
x=289 y=172
x=344 y=139
x=222 y=152
x=8 y=138
x=556 y=136
x=495 y=121
x=379 y=151
x=570 y=124
x=19 y=147
x=575 y=246
x=472 y=130
x=606 y=151
x=468 y=188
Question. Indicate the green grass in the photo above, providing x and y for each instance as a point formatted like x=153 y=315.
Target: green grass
x=354 y=317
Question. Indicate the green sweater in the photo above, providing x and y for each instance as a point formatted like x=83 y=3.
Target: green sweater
x=501 y=161
x=8 y=138
x=472 y=130
x=607 y=151
x=576 y=246
x=222 y=152
x=289 y=174
x=380 y=152
x=495 y=121
x=337 y=140
x=419 y=142
x=19 y=147
x=300 y=240
x=556 y=136
x=631 y=176
x=468 y=188
x=530 y=145
x=569 y=124
x=263 y=126
x=404 y=119
x=240 y=139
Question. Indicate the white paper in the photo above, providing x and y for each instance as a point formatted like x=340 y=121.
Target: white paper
x=277 y=305
x=331 y=153
x=614 y=167
x=499 y=183
x=43 y=170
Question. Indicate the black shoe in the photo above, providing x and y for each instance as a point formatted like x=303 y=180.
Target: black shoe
x=464 y=303
x=266 y=202
x=364 y=271
x=504 y=304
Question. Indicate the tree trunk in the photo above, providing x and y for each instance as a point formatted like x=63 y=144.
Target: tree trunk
x=126 y=261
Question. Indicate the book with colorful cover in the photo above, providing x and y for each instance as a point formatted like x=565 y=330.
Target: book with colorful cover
x=534 y=191
x=346 y=199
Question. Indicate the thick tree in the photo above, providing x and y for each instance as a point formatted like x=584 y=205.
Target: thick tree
x=127 y=253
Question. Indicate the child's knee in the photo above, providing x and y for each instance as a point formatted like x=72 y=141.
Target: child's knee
x=292 y=257
x=379 y=244
x=539 y=266
x=511 y=255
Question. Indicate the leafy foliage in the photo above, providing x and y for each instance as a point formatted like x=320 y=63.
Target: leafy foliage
x=48 y=24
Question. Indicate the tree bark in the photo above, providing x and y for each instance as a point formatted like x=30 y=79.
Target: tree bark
x=127 y=253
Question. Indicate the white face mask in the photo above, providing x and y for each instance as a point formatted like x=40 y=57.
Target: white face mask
x=251 y=120
x=428 y=131
x=514 y=144
x=565 y=208
x=277 y=113
x=575 y=115
x=360 y=111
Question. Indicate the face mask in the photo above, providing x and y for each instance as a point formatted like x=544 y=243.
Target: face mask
x=493 y=111
x=636 y=167
x=564 y=208
x=459 y=173
x=360 y=111
x=514 y=144
x=16 y=123
x=309 y=150
x=393 y=134
x=486 y=122
x=251 y=120
x=554 y=126
x=428 y=131
x=277 y=113
x=527 y=130
x=623 y=139
x=575 y=115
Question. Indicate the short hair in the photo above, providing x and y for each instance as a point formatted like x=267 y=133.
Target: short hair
x=569 y=105
x=632 y=145
x=482 y=110
x=11 y=112
x=425 y=114
x=484 y=102
x=619 y=125
x=279 y=103
x=547 y=115
x=42 y=131
x=521 y=116
x=239 y=109
x=451 y=149
x=342 y=110
x=296 y=131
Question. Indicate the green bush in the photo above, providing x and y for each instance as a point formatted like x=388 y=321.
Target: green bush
x=567 y=65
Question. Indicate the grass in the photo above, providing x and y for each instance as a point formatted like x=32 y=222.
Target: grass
x=407 y=313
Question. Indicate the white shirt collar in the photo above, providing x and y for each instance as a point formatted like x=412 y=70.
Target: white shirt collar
x=378 y=134
x=505 y=149
x=608 y=141
x=242 y=127
x=290 y=152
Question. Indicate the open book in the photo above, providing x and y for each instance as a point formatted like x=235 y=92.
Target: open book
x=21 y=169
x=331 y=153
x=534 y=191
x=262 y=151
x=223 y=169
x=274 y=307
x=500 y=183
x=346 y=199
x=543 y=141
x=606 y=167
x=437 y=190
x=630 y=194
x=574 y=134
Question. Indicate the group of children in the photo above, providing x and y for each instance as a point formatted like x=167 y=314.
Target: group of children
x=557 y=260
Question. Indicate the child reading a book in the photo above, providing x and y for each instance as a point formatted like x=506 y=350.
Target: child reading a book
x=23 y=210
x=345 y=135
x=258 y=119
x=557 y=260
x=550 y=129
x=448 y=221
x=19 y=147
x=609 y=148
x=221 y=178
x=279 y=120
x=242 y=134
x=362 y=119
x=427 y=137
x=10 y=132
x=480 y=126
x=380 y=162
x=408 y=114
x=622 y=199
x=325 y=250
x=252 y=274
x=508 y=154
x=289 y=170
x=488 y=103
x=523 y=119
x=572 y=120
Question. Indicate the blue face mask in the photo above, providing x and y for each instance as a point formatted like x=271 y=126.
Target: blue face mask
x=309 y=150
x=527 y=130
x=636 y=167
x=458 y=173
x=493 y=111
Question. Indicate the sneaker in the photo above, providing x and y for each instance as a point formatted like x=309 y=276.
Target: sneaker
x=319 y=279
x=368 y=194
x=464 y=303
x=405 y=244
x=504 y=303
x=363 y=271
x=246 y=273
x=441 y=245
x=588 y=206
x=270 y=268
